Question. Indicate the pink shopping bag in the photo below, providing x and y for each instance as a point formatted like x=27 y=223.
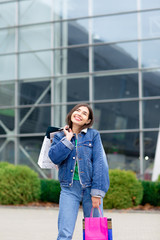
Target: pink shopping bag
x=96 y=228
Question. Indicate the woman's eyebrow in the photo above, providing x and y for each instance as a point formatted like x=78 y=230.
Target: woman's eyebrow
x=85 y=112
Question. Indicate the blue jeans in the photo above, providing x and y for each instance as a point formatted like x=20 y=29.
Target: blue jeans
x=70 y=199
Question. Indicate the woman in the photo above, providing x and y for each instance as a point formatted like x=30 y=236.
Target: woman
x=83 y=168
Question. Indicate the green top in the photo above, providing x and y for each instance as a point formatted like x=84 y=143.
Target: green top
x=76 y=175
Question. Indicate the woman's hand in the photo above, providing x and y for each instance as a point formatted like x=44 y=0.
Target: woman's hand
x=96 y=201
x=68 y=132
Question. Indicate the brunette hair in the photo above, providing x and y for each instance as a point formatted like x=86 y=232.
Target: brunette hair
x=91 y=117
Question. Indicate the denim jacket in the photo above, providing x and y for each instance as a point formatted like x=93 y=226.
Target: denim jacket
x=92 y=162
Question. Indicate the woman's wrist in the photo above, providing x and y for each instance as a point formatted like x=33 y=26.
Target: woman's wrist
x=68 y=138
x=96 y=202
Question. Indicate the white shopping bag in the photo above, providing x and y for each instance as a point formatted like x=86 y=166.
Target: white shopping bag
x=44 y=161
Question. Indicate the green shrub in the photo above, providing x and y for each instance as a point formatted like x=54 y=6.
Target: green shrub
x=151 y=193
x=4 y=164
x=158 y=194
x=18 y=184
x=158 y=180
x=125 y=190
x=50 y=190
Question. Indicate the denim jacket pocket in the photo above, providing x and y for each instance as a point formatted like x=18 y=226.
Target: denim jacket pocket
x=87 y=148
x=87 y=144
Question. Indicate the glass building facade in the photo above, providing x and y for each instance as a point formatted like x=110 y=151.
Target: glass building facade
x=57 y=53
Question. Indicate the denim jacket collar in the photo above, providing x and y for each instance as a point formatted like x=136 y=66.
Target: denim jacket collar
x=84 y=130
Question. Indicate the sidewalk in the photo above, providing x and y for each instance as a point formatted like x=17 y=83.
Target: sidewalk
x=28 y=223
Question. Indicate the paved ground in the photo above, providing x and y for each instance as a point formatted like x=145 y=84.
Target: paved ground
x=20 y=223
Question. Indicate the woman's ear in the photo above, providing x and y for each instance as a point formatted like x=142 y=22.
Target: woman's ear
x=88 y=121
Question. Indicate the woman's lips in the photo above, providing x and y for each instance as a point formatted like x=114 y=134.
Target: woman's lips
x=78 y=118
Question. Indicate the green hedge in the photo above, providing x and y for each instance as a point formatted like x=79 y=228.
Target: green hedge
x=151 y=193
x=5 y=164
x=18 y=184
x=50 y=190
x=125 y=190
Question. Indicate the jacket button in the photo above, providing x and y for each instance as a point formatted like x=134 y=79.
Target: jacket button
x=73 y=157
x=72 y=170
x=70 y=184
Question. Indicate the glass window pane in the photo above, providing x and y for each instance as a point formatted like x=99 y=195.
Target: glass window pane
x=116 y=115
x=35 y=64
x=70 y=9
x=7 y=64
x=77 y=89
x=60 y=113
x=104 y=7
x=7 y=14
x=150 y=144
x=117 y=56
x=7 y=92
x=150 y=55
x=117 y=28
x=151 y=111
x=34 y=119
x=35 y=37
x=7 y=40
x=71 y=60
x=71 y=90
x=34 y=92
x=147 y=4
x=151 y=83
x=7 y=120
x=118 y=86
x=71 y=33
x=122 y=150
x=6 y=150
x=35 y=11
x=78 y=60
x=150 y=24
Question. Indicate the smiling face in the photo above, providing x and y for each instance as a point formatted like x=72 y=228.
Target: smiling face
x=80 y=116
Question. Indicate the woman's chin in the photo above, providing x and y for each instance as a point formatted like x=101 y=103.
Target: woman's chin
x=77 y=123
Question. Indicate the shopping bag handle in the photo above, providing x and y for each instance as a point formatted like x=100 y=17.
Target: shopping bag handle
x=100 y=212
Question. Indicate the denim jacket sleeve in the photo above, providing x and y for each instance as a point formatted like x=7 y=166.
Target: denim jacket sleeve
x=60 y=149
x=100 y=181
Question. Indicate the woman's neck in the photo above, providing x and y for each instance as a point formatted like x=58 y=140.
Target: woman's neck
x=76 y=129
